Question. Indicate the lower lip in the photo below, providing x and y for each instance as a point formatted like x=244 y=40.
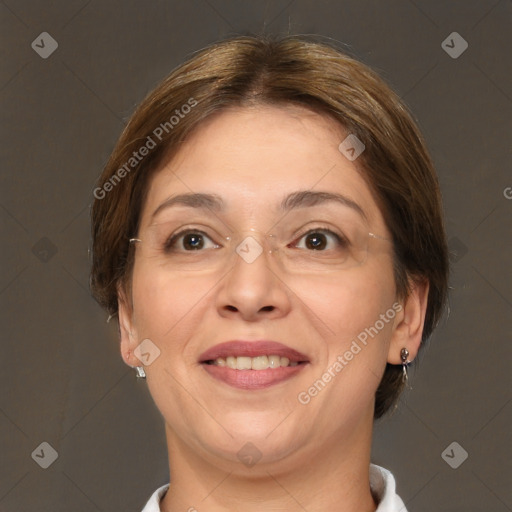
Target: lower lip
x=253 y=379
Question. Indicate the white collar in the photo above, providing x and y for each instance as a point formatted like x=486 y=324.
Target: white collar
x=382 y=484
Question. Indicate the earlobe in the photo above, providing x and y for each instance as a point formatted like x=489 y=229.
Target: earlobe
x=126 y=331
x=410 y=321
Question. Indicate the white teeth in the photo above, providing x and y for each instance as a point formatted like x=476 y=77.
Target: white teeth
x=260 y=363
x=243 y=363
x=254 y=363
x=274 y=361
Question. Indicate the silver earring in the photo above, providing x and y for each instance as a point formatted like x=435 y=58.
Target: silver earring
x=404 y=354
x=110 y=317
x=139 y=372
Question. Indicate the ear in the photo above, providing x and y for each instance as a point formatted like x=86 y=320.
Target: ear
x=409 y=323
x=127 y=331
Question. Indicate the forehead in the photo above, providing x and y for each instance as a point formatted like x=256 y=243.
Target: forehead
x=253 y=157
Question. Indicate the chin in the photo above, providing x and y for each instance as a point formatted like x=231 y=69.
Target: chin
x=246 y=452
x=262 y=438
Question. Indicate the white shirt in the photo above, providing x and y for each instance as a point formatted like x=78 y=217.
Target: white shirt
x=382 y=484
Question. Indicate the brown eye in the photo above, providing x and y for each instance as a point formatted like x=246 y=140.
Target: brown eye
x=193 y=241
x=316 y=241
x=189 y=240
x=321 y=239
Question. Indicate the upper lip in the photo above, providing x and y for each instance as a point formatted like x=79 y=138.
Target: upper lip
x=251 y=349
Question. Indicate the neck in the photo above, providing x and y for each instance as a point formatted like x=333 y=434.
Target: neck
x=333 y=477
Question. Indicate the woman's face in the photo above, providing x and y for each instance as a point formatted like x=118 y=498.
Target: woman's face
x=204 y=292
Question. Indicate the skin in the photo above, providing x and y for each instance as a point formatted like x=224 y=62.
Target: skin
x=315 y=456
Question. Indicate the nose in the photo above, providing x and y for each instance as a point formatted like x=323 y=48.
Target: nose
x=253 y=289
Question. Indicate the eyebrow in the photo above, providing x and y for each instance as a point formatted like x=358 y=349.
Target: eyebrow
x=299 y=199
x=192 y=200
x=308 y=198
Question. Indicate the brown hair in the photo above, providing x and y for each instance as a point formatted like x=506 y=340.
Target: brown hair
x=298 y=70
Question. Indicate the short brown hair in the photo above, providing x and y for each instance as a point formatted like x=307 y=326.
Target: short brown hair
x=298 y=70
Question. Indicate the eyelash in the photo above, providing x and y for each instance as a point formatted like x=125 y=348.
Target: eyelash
x=170 y=242
x=341 y=240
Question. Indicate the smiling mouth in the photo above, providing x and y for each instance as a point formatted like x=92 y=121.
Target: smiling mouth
x=252 y=365
x=253 y=373
x=258 y=363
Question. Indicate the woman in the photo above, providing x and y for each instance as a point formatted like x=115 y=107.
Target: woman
x=269 y=231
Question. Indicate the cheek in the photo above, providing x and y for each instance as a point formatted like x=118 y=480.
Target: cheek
x=356 y=343
x=354 y=353
x=165 y=304
x=349 y=303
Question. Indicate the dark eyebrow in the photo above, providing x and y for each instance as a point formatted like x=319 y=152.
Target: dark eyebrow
x=307 y=198
x=201 y=201
x=299 y=199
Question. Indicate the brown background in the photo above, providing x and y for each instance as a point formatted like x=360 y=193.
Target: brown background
x=62 y=380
